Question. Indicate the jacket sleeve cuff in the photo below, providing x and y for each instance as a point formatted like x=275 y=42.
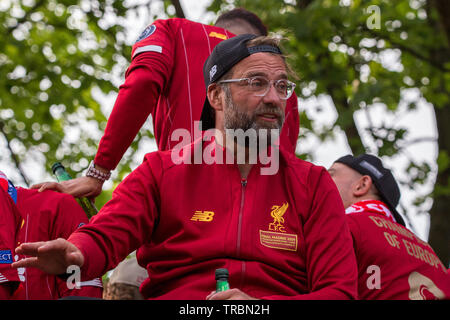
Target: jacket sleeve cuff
x=94 y=258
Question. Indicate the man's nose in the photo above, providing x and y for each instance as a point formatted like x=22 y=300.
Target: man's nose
x=272 y=96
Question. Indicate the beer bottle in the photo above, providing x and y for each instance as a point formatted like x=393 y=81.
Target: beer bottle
x=62 y=175
x=222 y=280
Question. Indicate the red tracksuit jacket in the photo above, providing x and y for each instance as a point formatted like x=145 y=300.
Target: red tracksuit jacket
x=165 y=79
x=47 y=216
x=281 y=236
x=393 y=263
x=9 y=228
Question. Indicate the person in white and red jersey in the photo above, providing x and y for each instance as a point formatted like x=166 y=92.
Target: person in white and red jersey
x=46 y=216
x=393 y=263
x=10 y=223
x=165 y=80
x=29 y=215
x=281 y=233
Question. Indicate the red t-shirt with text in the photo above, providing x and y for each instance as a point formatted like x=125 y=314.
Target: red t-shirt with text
x=393 y=263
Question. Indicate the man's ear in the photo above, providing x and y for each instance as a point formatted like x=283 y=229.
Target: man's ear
x=214 y=95
x=362 y=186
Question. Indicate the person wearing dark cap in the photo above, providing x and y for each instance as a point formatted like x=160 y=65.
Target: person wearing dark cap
x=393 y=263
x=164 y=79
x=281 y=235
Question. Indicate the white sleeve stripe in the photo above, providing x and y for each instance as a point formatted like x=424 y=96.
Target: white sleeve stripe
x=148 y=48
x=94 y=283
x=188 y=82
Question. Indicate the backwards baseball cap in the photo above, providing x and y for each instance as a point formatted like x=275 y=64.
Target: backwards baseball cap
x=224 y=56
x=129 y=272
x=382 y=178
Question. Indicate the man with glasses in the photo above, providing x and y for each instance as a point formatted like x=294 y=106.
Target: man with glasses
x=281 y=235
x=164 y=80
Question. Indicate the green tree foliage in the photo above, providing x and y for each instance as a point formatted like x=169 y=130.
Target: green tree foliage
x=337 y=47
x=59 y=59
x=52 y=55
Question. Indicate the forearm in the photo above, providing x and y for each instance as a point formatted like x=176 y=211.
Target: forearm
x=95 y=259
x=136 y=100
x=121 y=226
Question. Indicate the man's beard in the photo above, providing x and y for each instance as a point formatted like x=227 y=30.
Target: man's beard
x=235 y=119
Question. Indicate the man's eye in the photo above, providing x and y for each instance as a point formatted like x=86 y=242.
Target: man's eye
x=282 y=86
x=258 y=83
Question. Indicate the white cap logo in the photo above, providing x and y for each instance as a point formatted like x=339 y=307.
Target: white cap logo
x=371 y=168
x=212 y=72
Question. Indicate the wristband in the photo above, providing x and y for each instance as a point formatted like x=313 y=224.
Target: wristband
x=97 y=174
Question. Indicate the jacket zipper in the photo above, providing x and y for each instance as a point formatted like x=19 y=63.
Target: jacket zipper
x=238 y=246
x=241 y=209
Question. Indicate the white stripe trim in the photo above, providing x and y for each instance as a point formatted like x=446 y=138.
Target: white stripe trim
x=48 y=286
x=189 y=84
x=207 y=38
x=25 y=273
x=171 y=122
x=3 y=278
x=150 y=47
x=94 y=283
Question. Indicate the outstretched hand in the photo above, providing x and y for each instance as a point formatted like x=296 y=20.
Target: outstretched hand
x=78 y=187
x=52 y=257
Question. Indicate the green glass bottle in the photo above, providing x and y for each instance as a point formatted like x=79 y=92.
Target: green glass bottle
x=62 y=175
x=222 y=280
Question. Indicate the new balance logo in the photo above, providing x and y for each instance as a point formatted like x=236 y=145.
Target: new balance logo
x=205 y=216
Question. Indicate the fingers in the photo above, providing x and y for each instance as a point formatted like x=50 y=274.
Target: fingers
x=78 y=187
x=29 y=249
x=25 y=263
x=37 y=185
x=230 y=294
x=223 y=295
x=208 y=297
x=55 y=186
x=52 y=257
x=38 y=248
